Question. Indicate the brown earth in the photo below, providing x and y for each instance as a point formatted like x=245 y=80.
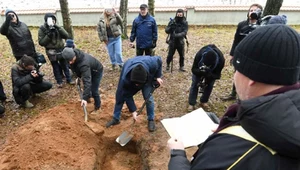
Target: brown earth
x=53 y=135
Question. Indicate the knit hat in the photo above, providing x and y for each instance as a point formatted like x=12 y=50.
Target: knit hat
x=270 y=55
x=278 y=19
x=138 y=75
x=70 y=43
x=8 y=11
x=68 y=54
x=209 y=58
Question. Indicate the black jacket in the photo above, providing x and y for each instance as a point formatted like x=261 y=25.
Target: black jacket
x=19 y=37
x=239 y=35
x=20 y=76
x=85 y=67
x=272 y=119
x=216 y=72
x=177 y=29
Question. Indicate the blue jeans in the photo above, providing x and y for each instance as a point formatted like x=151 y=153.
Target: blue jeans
x=114 y=48
x=149 y=105
x=96 y=78
x=195 y=89
x=61 y=67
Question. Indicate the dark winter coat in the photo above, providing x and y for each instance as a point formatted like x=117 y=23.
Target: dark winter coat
x=54 y=42
x=177 y=29
x=272 y=119
x=216 y=72
x=127 y=89
x=115 y=23
x=85 y=67
x=20 y=76
x=19 y=37
x=144 y=30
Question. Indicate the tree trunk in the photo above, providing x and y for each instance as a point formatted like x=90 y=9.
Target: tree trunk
x=272 y=7
x=123 y=12
x=151 y=4
x=67 y=22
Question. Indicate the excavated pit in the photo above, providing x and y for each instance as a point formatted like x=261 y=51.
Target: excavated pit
x=60 y=139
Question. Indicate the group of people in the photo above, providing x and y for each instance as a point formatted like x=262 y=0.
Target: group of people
x=260 y=131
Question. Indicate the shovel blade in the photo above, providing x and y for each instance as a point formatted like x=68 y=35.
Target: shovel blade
x=124 y=138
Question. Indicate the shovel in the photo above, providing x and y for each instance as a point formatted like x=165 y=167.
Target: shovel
x=80 y=93
x=126 y=136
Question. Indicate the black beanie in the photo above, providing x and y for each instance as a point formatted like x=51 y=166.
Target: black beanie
x=270 y=55
x=138 y=75
x=209 y=58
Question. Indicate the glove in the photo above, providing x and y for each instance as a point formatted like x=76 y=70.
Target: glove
x=50 y=33
x=154 y=43
x=155 y=84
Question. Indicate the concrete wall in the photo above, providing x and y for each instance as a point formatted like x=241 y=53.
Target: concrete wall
x=195 y=15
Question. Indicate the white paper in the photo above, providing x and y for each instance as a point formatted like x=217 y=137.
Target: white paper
x=192 y=128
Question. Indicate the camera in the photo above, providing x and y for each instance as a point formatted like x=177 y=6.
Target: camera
x=256 y=14
x=204 y=68
x=37 y=72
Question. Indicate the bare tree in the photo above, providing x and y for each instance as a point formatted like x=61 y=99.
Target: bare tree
x=151 y=4
x=67 y=22
x=123 y=12
x=272 y=7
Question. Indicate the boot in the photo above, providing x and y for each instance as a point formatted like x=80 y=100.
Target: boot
x=182 y=69
x=27 y=104
x=113 y=67
x=72 y=82
x=230 y=97
x=168 y=67
x=112 y=123
x=96 y=112
x=151 y=126
x=191 y=108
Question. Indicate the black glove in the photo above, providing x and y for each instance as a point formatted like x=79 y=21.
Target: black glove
x=154 y=43
x=155 y=84
x=50 y=33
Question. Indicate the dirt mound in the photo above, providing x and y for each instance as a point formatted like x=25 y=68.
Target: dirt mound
x=59 y=139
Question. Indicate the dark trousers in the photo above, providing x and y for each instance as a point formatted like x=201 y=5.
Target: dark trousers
x=194 y=90
x=28 y=89
x=172 y=48
x=96 y=78
x=141 y=51
x=2 y=94
x=61 y=67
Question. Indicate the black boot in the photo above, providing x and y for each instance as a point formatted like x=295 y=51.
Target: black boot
x=168 y=67
x=151 y=125
x=112 y=123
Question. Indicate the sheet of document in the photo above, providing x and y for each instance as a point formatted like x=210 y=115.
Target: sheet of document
x=192 y=128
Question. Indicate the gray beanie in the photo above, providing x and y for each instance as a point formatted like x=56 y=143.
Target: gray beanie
x=68 y=54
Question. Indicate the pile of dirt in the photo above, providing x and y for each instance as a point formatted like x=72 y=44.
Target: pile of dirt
x=59 y=139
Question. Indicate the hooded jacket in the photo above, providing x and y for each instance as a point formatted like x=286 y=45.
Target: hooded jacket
x=126 y=89
x=177 y=28
x=272 y=119
x=85 y=67
x=216 y=72
x=115 y=23
x=19 y=37
x=59 y=33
